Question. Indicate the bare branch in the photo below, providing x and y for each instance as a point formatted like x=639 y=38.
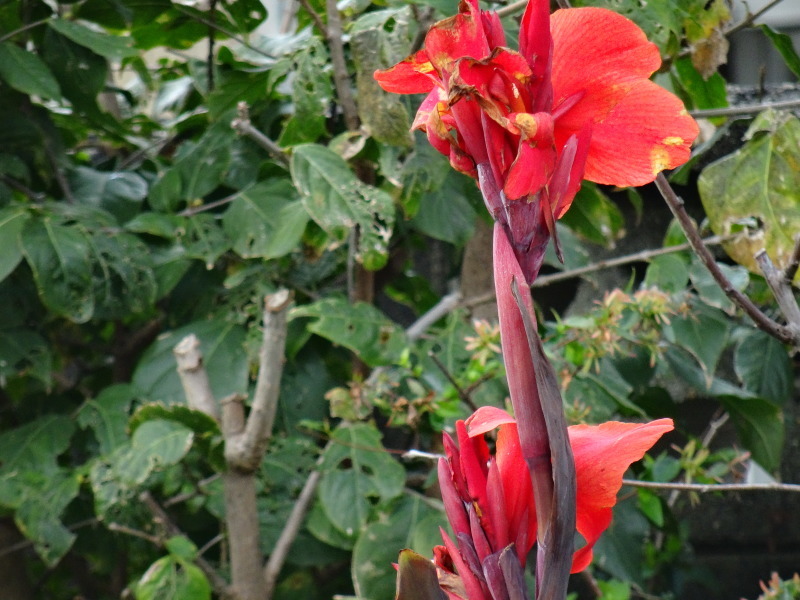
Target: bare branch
x=729 y=111
x=242 y=125
x=643 y=255
x=781 y=289
x=464 y=396
x=161 y=517
x=703 y=488
x=314 y=17
x=273 y=567
x=445 y=306
x=340 y=77
x=762 y=321
x=11 y=34
x=794 y=261
x=194 y=377
x=119 y=528
x=247 y=450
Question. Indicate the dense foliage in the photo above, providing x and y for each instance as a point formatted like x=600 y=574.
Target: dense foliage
x=165 y=165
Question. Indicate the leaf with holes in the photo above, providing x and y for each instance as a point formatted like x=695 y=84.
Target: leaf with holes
x=759 y=184
x=356 y=472
x=338 y=202
x=360 y=327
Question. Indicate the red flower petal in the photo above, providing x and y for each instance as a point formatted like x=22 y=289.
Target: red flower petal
x=414 y=75
x=602 y=455
x=461 y=35
x=639 y=128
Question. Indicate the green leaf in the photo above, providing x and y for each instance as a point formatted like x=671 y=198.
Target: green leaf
x=203 y=165
x=667 y=272
x=198 y=421
x=338 y=201
x=112 y=47
x=357 y=470
x=376 y=548
x=360 y=327
x=759 y=424
x=594 y=217
x=763 y=366
x=703 y=333
x=783 y=44
x=43 y=500
x=311 y=94
x=27 y=73
x=651 y=507
x=204 y=238
x=59 y=255
x=265 y=221
x=181 y=548
x=157 y=224
x=12 y=219
x=167 y=191
x=710 y=291
x=447 y=212
x=224 y=357
x=36 y=445
x=119 y=192
x=758 y=183
x=173 y=578
x=80 y=72
x=154 y=444
x=25 y=352
x=697 y=91
x=107 y=416
x=124 y=282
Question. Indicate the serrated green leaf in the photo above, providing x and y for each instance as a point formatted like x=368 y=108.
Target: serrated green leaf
x=224 y=356
x=155 y=444
x=112 y=47
x=759 y=424
x=759 y=183
x=265 y=221
x=25 y=72
x=360 y=327
x=59 y=255
x=338 y=201
x=356 y=469
x=12 y=219
x=107 y=416
x=763 y=366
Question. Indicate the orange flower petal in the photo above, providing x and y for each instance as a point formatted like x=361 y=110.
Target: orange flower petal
x=413 y=75
x=639 y=128
x=602 y=455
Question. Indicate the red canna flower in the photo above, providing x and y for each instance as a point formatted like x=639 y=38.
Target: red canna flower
x=490 y=505
x=574 y=102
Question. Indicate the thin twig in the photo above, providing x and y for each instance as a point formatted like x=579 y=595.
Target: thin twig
x=512 y=8
x=341 y=78
x=22 y=188
x=119 y=528
x=22 y=544
x=275 y=563
x=193 y=210
x=703 y=488
x=794 y=261
x=11 y=34
x=643 y=255
x=750 y=18
x=179 y=498
x=762 y=321
x=217 y=539
x=314 y=17
x=160 y=516
x=729 y=111
x=442 y=308
x=781 y=289
x=242 y=125
x=465 y=398
x=221 y=29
